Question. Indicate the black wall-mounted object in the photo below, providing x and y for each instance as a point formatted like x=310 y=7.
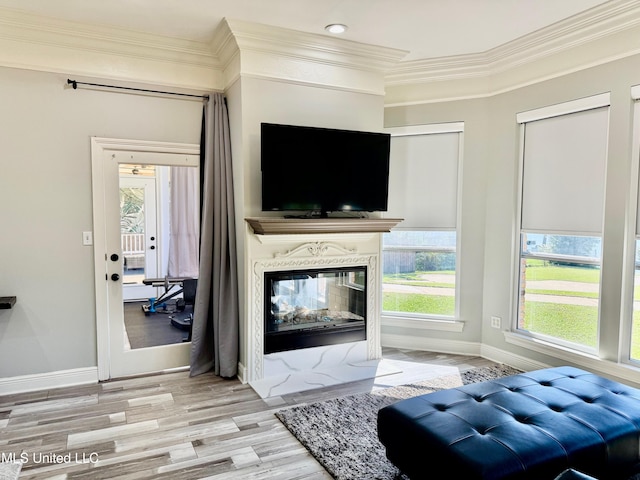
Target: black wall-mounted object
x=323 y=170
x=7 y=302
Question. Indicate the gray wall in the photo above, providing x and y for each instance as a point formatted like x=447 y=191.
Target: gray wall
x=45 y=193
x=46 y=204
x=490 y=187
x=475 y=172
x=288 y=103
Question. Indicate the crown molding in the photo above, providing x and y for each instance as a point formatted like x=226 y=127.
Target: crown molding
x=43 y=43
x=237 y=48
x=599 y=35
x=602 y=34
x=225 y=48
x=263 y=51
x=28 y=27
x=223 y=45
x=313 y=47
x=597 y=24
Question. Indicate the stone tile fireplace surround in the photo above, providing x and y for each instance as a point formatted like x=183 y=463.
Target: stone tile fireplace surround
x=290 y=245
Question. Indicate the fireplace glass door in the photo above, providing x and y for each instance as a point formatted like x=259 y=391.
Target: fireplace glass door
x=310 y=308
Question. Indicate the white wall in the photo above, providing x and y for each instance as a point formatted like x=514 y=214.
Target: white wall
x=46 y=204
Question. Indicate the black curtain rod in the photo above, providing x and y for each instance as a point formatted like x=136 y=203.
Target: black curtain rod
x=75 y=84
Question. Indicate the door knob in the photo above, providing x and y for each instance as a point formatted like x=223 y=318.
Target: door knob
x=153 y=238
x=114 y=257
x=115 y=277
x=152 y=247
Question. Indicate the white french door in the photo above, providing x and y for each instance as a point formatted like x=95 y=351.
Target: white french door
x=115 y=357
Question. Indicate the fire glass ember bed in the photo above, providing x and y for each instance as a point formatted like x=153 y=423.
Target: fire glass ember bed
x=311 y=308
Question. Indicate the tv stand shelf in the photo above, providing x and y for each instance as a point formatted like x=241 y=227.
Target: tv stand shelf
x=286 y=226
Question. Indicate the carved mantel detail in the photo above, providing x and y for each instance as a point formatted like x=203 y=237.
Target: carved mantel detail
x=316 y=249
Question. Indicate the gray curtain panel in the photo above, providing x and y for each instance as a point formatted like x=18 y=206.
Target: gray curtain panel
x=214 y=337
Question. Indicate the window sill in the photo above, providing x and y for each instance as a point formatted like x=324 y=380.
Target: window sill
x=548 y=348
x=626 y=373
x=422 y=323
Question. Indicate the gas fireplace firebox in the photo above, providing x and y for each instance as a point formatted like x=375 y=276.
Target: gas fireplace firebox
x=312 y=308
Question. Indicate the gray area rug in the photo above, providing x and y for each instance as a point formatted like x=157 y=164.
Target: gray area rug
x=342 y=433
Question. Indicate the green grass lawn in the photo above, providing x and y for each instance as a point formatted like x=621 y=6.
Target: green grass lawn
x=572 y=323
x=420 y=279
x=538 y=270
x=416 y=303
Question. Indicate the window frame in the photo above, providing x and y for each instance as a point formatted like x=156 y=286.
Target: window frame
x=432 y=321
x=631 y=237
x=548 y=112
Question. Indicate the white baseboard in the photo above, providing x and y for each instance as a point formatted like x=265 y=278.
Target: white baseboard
x=430 y=344
x=49 y=380
x=242 y=372
x=461 y=348
x=508 y=358
x=86 y=376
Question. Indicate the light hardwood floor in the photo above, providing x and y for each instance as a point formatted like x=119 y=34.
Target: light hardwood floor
x=173 y=426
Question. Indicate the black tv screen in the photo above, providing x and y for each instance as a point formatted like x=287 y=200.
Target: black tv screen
x=323 y=170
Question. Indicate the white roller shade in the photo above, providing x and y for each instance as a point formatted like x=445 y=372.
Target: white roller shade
x=564 y=172
x=423 y=180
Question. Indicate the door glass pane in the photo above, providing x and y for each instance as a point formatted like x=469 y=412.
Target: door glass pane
x=158 y=305
x=132 y=233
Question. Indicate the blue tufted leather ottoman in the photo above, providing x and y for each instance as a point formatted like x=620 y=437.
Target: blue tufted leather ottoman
x=528 y=426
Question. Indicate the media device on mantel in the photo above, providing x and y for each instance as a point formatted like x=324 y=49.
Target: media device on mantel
x=321 y=170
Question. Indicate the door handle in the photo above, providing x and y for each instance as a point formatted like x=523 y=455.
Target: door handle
x=115 y=277
x=114 y=257
x=152 y=247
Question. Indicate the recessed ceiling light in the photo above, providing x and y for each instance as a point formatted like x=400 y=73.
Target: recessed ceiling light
x=336 y=28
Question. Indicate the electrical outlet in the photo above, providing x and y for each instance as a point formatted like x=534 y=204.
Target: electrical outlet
x=496 y=322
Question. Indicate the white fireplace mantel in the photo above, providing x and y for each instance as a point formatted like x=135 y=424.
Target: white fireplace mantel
x=299 y=244
x=283 y=226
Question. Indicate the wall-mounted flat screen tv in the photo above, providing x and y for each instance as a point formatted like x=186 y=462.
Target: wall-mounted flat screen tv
x=322 y=170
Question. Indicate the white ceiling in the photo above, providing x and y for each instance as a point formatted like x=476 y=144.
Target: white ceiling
x=424 y=28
